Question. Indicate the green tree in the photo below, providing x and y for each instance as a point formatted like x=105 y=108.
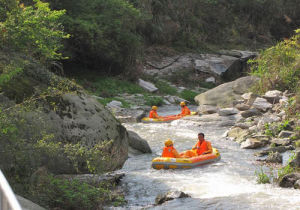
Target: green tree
x=33 y=30
x=103 y=32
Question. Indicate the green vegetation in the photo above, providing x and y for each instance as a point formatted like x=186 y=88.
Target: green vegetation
x=34 y=31
x=73 y=194
x=286 y=169
x=109 y=86
x=273 y=129
x=279 y=68
x=262 y=177
x=188 y=95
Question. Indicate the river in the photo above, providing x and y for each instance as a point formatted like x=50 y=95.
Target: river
x=227 y=184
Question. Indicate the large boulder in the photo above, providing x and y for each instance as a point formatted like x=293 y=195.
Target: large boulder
x=225 y=94
x=27 y=204
x=136 y=142
x=80 y=118
x=289 y=180
x=61 y=121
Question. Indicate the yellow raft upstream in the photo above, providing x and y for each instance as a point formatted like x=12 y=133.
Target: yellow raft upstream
x=185 y=163
x=164 y=119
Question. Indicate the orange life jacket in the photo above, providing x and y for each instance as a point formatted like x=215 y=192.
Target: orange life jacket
x=185 y=111
x=204 y=147
x=169 y=152
x=153 y=114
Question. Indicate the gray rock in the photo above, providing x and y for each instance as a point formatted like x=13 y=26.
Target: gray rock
x=267 y=119
x=296 y=161
x=225 y=94
x=279 y=149
x=114 y=104
x=207 y=109
x=273 y=96
x=228 y=111
x=252 y=143
x=136 y=142
x=289 y=180
x=210 y=79
x=242 y=107
x=261 y=104
x=274 y=158
x=147 y=86
x=130 y=115
x=27 y=204
x=238 y=134
x=285 y=134
x=297 y=184
x=80 y=118
x=281 y=142
x=250 y=113
x=246 y=125
x=160 y=199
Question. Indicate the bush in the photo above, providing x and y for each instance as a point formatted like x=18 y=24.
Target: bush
x=154 y=100
x=188 y=95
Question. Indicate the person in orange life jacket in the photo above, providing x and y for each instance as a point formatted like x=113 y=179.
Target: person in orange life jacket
x=169 y=150
x=201 y=147
x=153 y=113
x=184 y=109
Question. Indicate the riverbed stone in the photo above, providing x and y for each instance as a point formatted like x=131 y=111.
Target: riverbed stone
x=274 y=158
x=285 y=134
x=162 y=198
x=273 y=96
x=238 y=134
x=261 y=104
x=296 y=161
x=297 y=184
x=252 y=143
x=147 y=86
x=250 y=113
x=225 y=94
x=207 y=109
x=279 y=149
x=267 y=118
x=281 y=142
x=227 y=111
x=242 y=107
x=136 y=142
x=289 y=180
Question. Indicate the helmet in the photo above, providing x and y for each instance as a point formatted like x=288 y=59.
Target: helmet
x=154 y=107
x=168 y=142
x=182 y=103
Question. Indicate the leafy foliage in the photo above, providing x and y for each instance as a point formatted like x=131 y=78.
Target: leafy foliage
x=279 y=66
x=103 y=32
x=34 y=30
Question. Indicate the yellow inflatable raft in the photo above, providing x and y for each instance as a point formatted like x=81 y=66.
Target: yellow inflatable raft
x=164 y=119
x=185 y=163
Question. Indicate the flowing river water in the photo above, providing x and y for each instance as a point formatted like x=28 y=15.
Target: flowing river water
x=227 y=184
